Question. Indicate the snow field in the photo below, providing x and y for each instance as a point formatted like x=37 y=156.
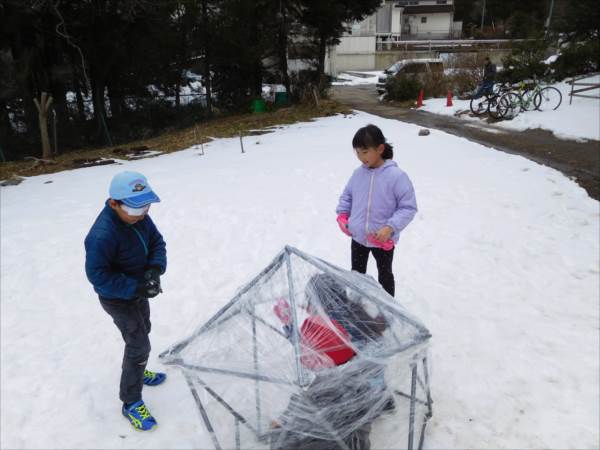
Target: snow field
x=501 y=263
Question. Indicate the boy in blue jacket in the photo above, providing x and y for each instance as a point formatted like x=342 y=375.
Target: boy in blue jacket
x=125 y=257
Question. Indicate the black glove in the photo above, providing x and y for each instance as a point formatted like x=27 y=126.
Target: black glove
x=152 y=273
x=147 y=289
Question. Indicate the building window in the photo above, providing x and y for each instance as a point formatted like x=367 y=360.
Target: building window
x=423 y=19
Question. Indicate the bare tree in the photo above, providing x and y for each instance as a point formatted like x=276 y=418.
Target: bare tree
x=42 y=107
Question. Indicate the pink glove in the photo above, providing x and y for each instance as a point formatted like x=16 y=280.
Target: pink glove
x=342 y=220
x=282 y=310
x=387 y=245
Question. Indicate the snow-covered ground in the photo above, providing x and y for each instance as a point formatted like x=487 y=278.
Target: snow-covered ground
x=579 y=120
x=356 y=78
x=501 y=263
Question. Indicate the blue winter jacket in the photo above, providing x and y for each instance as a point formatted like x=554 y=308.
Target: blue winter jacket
x=117 y=254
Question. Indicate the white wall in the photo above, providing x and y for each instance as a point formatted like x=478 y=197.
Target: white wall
x=356 y=44
x=352 y=53
x=341 y=63
x=396 y=18
x=438 y=23
x=365 y=27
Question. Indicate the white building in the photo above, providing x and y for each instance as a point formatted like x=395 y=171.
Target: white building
x=394 y=23
x=409 y=20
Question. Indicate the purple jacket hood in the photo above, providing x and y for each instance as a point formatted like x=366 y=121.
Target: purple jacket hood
x=374 y=198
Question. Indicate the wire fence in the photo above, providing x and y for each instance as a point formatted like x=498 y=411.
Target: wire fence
x=73 y=123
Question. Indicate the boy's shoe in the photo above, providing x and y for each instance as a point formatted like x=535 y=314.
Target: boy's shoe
x=153 y=378
x=139 y=416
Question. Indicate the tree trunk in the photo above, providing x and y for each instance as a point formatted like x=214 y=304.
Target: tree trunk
x=257 y=69
x=207 y=59
x=177 y=93
x=257 y=78
x=5 y=126
x=321 y=62
x=282 y=44
x=42 y=107
x=115 y=99
x=98 y=85
x=79 y=98
x=59 y=94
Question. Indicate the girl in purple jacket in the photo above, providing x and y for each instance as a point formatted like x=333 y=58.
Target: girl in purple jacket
x=377 y=204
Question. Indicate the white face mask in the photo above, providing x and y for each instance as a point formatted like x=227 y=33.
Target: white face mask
x=135 y=211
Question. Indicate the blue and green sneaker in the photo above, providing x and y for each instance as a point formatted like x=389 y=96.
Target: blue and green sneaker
x=139 y=416
x=153 y=378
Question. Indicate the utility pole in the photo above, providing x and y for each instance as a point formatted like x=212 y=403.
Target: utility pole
x=482 y=14
x=547 y=27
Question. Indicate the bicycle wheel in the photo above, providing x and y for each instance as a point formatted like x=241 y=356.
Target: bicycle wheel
x=509 y=105
x=493 y=107
x=528 y=100
x=548 y=99
x=479 y=105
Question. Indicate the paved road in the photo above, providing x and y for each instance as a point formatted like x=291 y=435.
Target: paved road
x=578 y=160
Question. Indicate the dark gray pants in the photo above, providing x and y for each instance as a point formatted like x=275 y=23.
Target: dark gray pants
x=132 y=318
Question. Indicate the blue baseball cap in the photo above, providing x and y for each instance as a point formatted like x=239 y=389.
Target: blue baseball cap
x=132 y=189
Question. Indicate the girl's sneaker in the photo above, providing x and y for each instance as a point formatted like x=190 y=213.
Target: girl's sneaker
x=153 y=378
x=139 y=416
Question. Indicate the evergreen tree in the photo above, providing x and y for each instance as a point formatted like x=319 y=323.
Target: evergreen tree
x=580 y=21
x=326 y=21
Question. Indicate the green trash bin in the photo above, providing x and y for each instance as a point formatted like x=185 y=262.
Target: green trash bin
x=258 y=106
x=281 y=98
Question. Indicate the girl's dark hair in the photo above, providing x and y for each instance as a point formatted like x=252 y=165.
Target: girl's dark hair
x=371 y=136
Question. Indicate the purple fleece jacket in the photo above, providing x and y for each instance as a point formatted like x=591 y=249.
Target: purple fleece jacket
x=377 y=197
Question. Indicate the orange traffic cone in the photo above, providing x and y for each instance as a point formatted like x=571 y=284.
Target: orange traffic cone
x=420 y=99
x=449 y=98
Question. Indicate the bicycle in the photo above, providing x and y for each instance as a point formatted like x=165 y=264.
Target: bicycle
x=528 y=99
x=488 y=103
x=547 y=99
x=527 y=92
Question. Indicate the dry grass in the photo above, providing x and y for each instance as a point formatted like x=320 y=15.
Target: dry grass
x=173 y=141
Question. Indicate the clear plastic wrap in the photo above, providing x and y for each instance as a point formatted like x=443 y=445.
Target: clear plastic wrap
x=309 y=356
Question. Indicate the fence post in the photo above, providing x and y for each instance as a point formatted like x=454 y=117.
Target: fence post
x=54 y=138
x=105 y=129
x=571 y=93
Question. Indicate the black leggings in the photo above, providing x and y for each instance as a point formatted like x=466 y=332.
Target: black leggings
x=383 y=258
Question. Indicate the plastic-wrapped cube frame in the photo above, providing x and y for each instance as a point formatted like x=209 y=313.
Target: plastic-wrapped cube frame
x=309 y=356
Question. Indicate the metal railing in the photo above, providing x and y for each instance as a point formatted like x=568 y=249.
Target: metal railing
x=589 y=87
x=391 y=41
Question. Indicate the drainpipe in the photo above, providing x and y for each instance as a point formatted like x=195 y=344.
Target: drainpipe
x=547 y=26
